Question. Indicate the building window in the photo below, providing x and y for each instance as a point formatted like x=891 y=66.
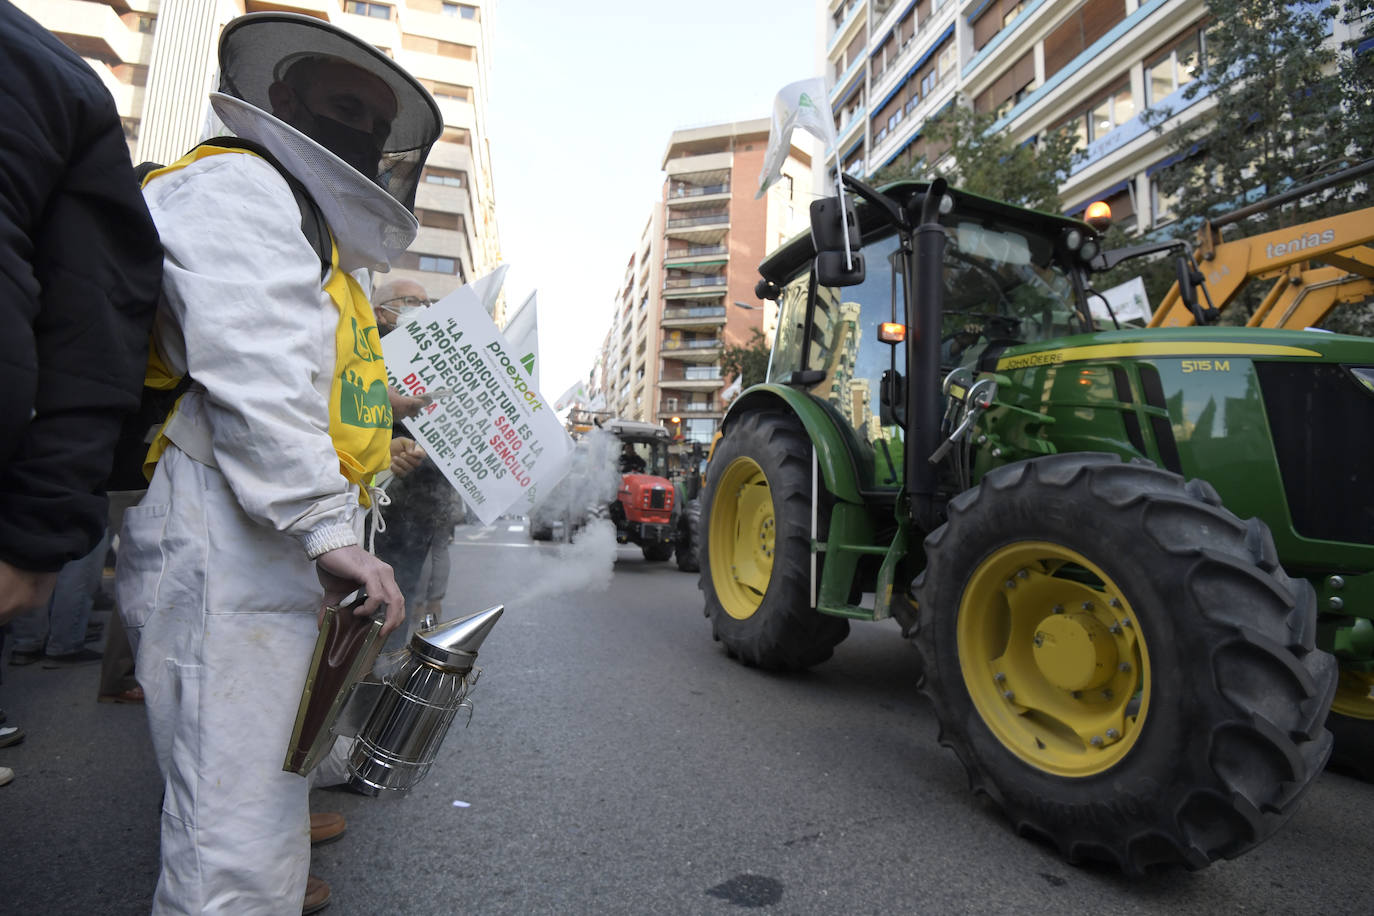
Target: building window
x=450 y=177
x=145 y=23
x=436 y=46
x=459 y=10
x=1175 y=67
x=1080 y=30
x=373 y=10
x=1105 y=115
x=438 y=219
x=438 y=265
x=447 y=90
x=1163 y=207
x=1114 y=110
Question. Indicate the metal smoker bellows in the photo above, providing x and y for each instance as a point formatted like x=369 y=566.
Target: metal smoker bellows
x=398 y=723
x=398 y=743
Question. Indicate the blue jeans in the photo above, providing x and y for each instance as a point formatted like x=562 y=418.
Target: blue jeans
x=62 y=625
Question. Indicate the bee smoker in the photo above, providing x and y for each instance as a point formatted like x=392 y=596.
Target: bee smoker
x=397 y=722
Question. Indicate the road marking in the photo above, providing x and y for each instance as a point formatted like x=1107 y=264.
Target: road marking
x=515 y=527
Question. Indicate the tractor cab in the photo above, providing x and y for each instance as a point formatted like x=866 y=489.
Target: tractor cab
x=1008 y=277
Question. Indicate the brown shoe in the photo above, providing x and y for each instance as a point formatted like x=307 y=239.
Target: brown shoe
x=316 y=895
x=132 y=695
x=326 y=828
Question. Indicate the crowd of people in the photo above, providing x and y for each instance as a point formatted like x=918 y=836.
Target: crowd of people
x=239 y=278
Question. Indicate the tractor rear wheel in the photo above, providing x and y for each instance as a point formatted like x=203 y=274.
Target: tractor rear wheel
x=1120 y=663
x=1352 y=725
x=688 y=541
x=756 y=546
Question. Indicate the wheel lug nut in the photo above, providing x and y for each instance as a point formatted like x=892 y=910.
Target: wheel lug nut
x=1113 y=734
x=1107 y=694
x=1125 y=668
x=1115 y=629
x=1011 y=583
x=1008 y=695
x=1087 y=605
x=1022 y=574
x=1115 y=602
x=1096 y=741
x=999 y=677
x=1057 y=609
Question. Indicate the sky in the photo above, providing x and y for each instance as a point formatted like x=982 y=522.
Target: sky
x=583 y=98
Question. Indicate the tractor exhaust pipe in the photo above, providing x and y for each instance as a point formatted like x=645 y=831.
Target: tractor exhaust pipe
x=923 y=356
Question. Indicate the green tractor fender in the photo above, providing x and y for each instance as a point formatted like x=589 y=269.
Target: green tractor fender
x=832 y=457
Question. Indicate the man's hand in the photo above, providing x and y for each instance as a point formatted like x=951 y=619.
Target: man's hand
x=22 y=591
x=404 y=407
x=406 y=456
x=346 y=569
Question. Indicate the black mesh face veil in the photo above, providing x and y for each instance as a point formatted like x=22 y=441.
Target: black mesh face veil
x=257 y=49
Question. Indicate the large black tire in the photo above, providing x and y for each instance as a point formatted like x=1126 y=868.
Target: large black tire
x=1208 y=726
x=1352 y=727
x=755 y=547
x=688 y=541
x=657 y=553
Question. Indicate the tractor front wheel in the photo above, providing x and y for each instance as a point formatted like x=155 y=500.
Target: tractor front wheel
x=688 y=541
x=1120 y=663
x=755 y=546
x=1352 y=725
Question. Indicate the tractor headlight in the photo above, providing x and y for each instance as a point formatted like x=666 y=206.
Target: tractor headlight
x=1089 y=250
x=1073 y=239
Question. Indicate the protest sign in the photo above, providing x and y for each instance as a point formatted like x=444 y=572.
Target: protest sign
x=494 y=436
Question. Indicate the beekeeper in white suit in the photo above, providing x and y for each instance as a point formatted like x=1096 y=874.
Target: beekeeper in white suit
x=261 y=479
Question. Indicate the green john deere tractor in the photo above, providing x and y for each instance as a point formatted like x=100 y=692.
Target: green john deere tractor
x=1129 y=559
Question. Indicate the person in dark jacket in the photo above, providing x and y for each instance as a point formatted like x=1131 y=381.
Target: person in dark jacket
x=80 y=271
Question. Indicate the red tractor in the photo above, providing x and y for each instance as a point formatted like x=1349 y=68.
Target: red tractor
x=643 y=508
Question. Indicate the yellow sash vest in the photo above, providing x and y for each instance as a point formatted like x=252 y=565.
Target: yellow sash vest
x=359 y=409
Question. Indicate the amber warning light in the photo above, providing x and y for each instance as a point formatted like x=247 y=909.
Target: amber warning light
x=1098 y=215
x=891 y=332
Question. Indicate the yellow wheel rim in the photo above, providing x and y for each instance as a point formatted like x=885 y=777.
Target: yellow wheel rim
x=1355 y=695
x=1053 y=658
x=742 y=538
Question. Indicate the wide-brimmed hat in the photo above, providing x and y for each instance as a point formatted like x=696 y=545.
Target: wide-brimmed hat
x=257 y=49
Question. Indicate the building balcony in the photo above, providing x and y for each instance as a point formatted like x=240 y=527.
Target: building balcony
x=669 y=408
x=848 y=26
x=693 y=254
x=715 y=218
x=691 y=349
x=686 y=287
x=691 y=378
x=694 y=317
x=682 y=192
x=91 y=30
x=699 y=228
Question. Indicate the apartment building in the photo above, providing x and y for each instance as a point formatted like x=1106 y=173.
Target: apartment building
x=688 y=290
x=1091 y=66
x=158 y=61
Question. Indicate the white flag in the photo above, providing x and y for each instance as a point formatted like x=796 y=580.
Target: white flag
x=488 y=288
x=803 y=104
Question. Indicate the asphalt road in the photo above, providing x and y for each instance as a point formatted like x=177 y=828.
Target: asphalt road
x=618 y=762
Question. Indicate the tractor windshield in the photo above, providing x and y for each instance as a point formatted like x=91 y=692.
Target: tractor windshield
x=644 y=456
x=1002 y=286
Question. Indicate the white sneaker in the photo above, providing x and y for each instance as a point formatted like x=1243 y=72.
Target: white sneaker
x=6 y=776
x=10 y=734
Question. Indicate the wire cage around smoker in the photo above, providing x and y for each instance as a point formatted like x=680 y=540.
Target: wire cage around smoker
x=398 y=744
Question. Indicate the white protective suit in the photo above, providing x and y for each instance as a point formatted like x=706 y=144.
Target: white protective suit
x=216 y=579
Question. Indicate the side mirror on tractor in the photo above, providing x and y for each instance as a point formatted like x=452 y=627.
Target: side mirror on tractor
x=829 y=217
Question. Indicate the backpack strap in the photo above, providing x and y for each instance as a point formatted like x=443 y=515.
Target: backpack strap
x=313 y=226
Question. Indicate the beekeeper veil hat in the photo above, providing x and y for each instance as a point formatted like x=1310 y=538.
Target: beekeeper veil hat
x=261 y=49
